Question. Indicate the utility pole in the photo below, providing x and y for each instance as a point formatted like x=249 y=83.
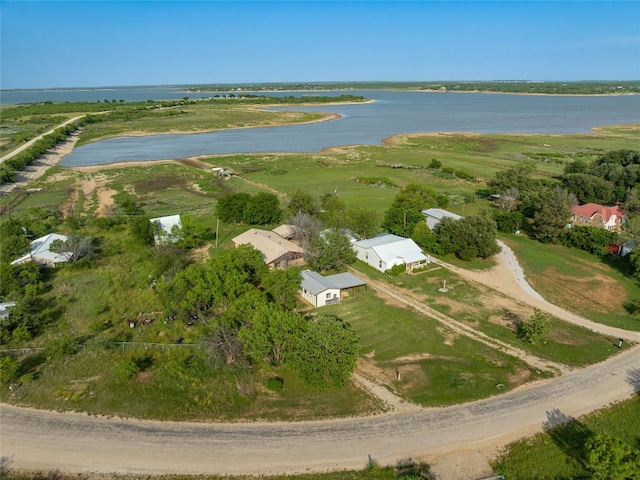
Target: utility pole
x=217 y=227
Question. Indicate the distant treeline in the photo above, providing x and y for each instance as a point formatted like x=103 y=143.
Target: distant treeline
x=558 y=88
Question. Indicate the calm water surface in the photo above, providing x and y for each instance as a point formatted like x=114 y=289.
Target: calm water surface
x=391 y=113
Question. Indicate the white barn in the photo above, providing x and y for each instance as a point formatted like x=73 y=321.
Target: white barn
x=320 y=291
x=434 y=215
x=386 y=251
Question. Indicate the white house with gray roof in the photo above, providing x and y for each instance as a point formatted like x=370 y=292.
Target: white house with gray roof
x=386 y=251
x=320 y=291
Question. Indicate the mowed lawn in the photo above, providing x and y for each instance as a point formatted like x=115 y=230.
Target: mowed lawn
x=436 y=365
x=495 y=314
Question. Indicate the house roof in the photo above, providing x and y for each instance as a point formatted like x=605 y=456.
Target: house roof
x=433 y=216
x=167 y=223
x=272 y=245
x=40 y=250
x=314 y=283
x=167 y=233
x=285 y=231
x=389 y=247
x=4 y=308
x=350 y=234
x=589 y=210
x=439 y=213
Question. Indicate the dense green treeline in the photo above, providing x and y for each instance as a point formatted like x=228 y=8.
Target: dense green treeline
x=582 y=88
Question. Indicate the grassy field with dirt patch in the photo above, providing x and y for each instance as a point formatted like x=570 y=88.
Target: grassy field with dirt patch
x=583 y=283
x=495 y=314
x=437 y=365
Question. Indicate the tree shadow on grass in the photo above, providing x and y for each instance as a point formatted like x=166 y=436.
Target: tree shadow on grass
x=569 y=434
x=633 y=378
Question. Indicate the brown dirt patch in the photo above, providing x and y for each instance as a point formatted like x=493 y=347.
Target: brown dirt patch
x=519 y=377
x=565 y=337
x=456 y=307
x=201 y=254
x=449 y=335
x=106 y=203
x=144 y=377
x=66 y=208
x=155 y=184
x=596 y=292
x=193 y=163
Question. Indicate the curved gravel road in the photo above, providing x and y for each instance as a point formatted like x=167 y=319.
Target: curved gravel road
x=79 y=443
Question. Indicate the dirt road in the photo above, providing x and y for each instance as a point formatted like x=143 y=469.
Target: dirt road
x=26 y=145
x=75 y=442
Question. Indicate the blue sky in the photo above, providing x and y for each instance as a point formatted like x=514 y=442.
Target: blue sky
x=119 y=43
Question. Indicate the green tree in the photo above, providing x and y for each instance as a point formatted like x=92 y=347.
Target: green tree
x=9 y=367
x=193 y=233
x=326 y=355
x=534 y=329
x=282 y=286
x=589 y=188
x=262 y=209
x=610 y=458
x=424 y=237
x=551 y=220
x=594 y=240
x=634 y=261
x=508 y=222
x=632 y=201
x=271 y=334
x=332 y=211
x=331 y=251
x=468 y=237
x=141 y=229
x=13 y=239
x=406 y=209
x=519 y=176
x=301 y=201
x=230 y=208
x=362 y=221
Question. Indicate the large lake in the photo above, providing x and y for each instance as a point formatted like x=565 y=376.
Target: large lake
x=391 y=113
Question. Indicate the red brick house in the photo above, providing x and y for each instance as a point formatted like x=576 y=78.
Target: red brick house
x=594 y=215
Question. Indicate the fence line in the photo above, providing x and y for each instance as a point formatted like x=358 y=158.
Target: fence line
x=123 y=346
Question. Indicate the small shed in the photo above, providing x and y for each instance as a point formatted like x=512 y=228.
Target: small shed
x=320 y=291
